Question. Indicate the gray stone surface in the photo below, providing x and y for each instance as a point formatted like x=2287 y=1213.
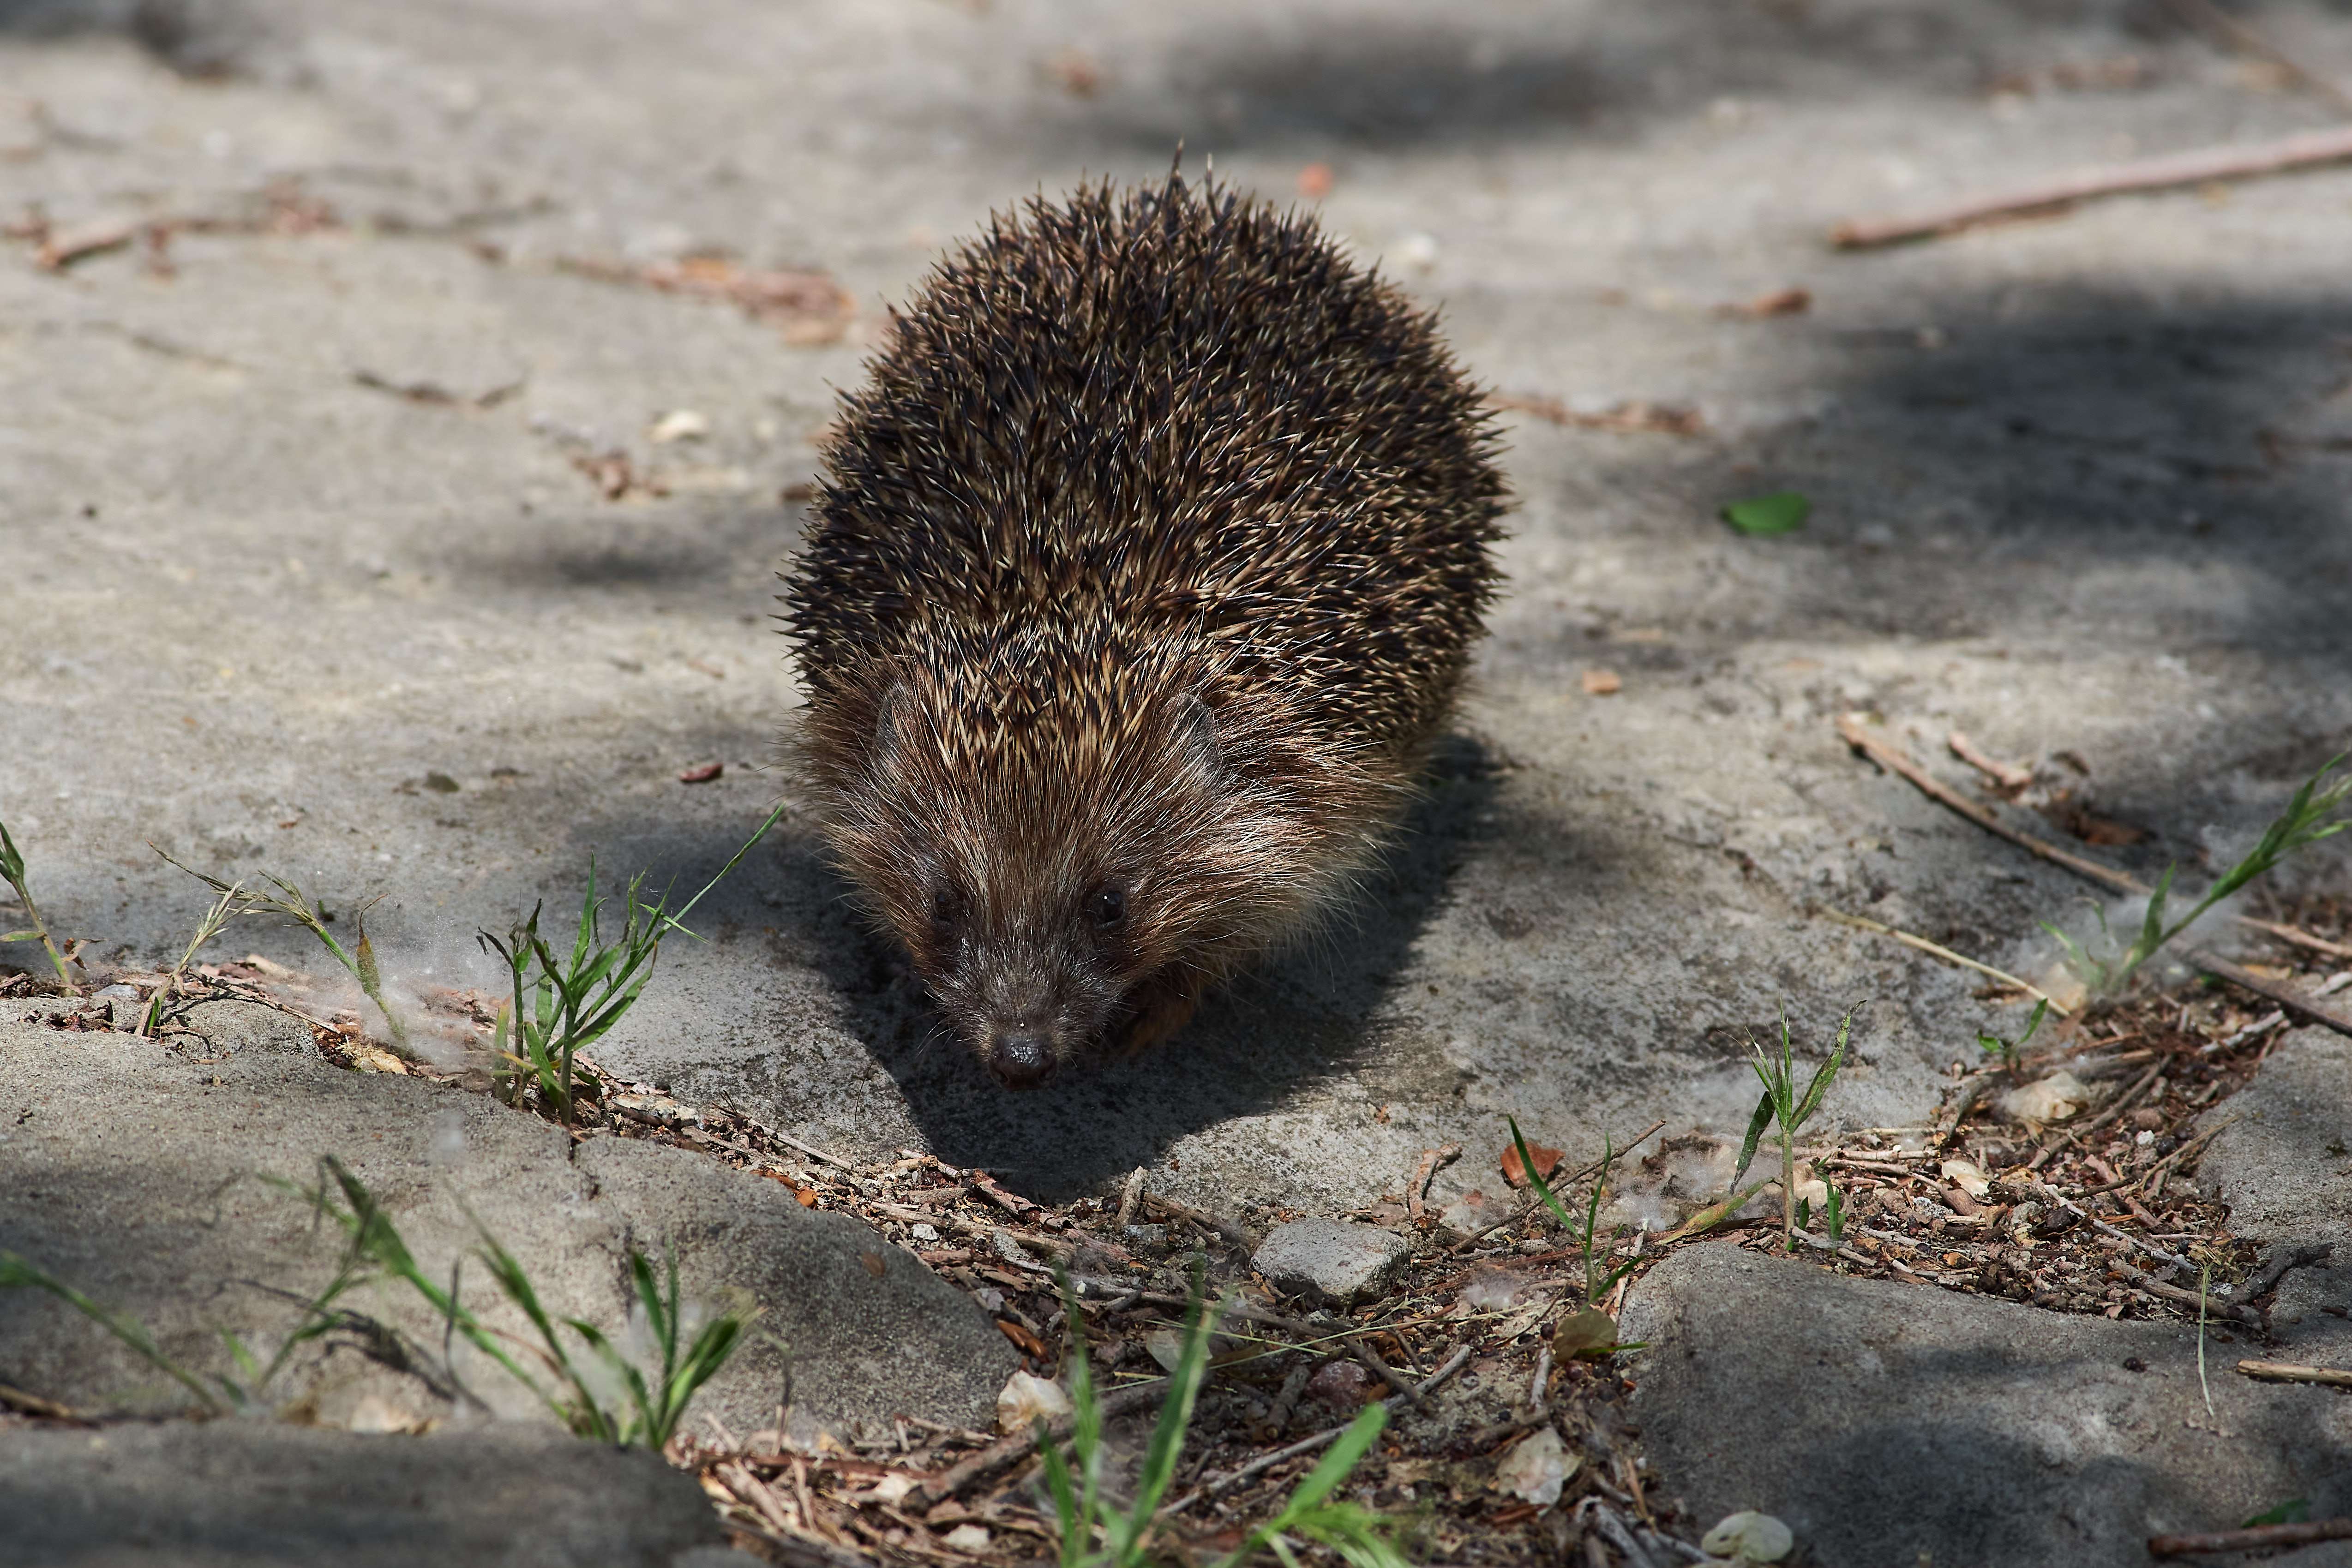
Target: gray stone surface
x=231 y=1028
x=1333 y=1261
x=140 y=1177
x=2080 y=486
x=2284 y=1161
x=852 y=1325
x=1894 y=1423
x=252 y=1494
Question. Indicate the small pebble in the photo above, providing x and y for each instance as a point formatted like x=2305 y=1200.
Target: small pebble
x=1748 y=1537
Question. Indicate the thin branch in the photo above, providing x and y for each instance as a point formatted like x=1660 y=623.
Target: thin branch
x=2311 y=149
x=2245 y=40
x=2288 y=1372
x=1888 y=756
x=1908 y=940
x=2252 y=1539
x=1266 y=1462
x=2293 y=1001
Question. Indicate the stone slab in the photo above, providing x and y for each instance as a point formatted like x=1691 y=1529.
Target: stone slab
x=2282 y=1160
x=253 y=1494
x=1332 y=1260
x=143 y=1178
x=1890 y=1423
x=2079 y=487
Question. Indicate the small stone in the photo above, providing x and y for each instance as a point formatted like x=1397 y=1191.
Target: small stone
x=678 y=424
x=1748 y=1537
x=966 y=1537
x=1342 y=1384
x=1331 y=1260
x=1027 y=1399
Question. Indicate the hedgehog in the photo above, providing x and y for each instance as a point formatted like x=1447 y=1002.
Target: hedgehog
x=1140 y=576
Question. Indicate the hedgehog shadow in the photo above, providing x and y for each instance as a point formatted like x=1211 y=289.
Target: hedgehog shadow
x=1299 y=1022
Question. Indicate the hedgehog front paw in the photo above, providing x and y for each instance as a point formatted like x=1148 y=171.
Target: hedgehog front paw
x=1162 y=1009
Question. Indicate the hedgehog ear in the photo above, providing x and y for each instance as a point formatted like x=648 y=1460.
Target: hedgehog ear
x=892 y=717
x=1196 y=735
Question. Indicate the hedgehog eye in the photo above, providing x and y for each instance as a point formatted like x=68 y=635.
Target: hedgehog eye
x=1108 y=906
x=947 y=910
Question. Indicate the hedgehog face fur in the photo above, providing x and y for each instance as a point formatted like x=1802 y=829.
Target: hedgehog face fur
x=1143 y=572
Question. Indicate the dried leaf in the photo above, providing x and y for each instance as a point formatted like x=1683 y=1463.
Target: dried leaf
x=1025 y=1398
x=1547 y=1160
x=1587 y=1332
x=1537 y=1468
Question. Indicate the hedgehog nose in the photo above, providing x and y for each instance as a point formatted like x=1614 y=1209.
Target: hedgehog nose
x=1020 y=1058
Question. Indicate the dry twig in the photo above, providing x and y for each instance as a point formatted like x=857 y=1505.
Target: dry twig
x=2310 y=150
x=2245 y=40
x=2293 y=1001
x=1851 y=730
x=2253 y=1537
x=1862 y=923
x=2290 y=1371
x=1416 y=1200
x=2005 y=775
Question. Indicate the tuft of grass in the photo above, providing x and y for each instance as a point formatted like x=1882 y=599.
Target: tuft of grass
x=1833 y=1212
x=653 y=1406
x=311 y=916
x=561 y=1004
x=1782 y=1103
x=374 y=1250
x=22 y=1273
x=1597 y=1281
x=2310 y=816
x=2011 y=1050
x=226 y=908
x=1086 y=1514
x=12 y=870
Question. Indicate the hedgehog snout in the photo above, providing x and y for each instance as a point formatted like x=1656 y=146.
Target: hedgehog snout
x=1021 y=1058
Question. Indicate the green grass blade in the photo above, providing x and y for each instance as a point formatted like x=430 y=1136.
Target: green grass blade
x=1066 y=1499
x=1167 y=1445
x=1755 y=1125
x=16 y=1273
x=1535 y=1179
x=1826 y=1073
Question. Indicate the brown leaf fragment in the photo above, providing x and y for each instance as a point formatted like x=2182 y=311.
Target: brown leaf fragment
x=810 y=306
x=702 y=774
x=1587 y=1332
x=61 y=248
x=1780 y=302
x=1027 y=1342
x=1547 y=1161
x=1602 y=683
